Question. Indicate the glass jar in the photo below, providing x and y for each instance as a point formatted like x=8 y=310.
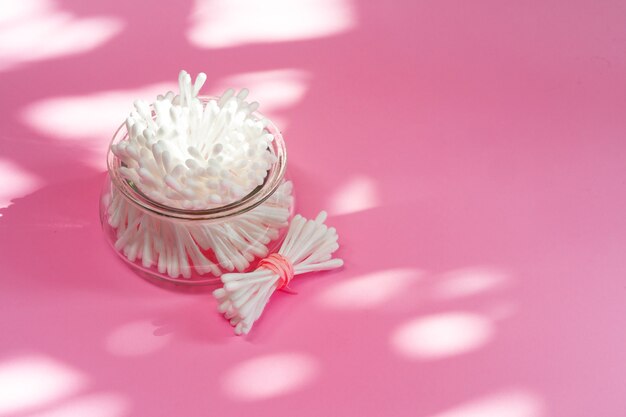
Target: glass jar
x=194 y=247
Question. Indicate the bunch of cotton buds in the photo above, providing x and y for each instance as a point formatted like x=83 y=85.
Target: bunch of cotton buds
x=186 y=153
x=177 y=248
x=308 y=247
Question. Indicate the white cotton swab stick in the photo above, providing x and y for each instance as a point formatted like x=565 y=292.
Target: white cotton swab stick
x=308 y=247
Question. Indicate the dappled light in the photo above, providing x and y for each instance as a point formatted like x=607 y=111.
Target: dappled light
x=28 y=382
x=32 y=30
x=227 y=23
x=370 y=290
x=16 y=183
x=269 y=376
x=95 y=405
x=442 y=335
x=470 y=155
x=90 y=119
x=512 y=403
x=469 y=281
x=136 y=338
x=357 y=194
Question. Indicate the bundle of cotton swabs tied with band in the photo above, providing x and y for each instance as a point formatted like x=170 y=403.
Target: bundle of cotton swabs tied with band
x=308 y=247
x=185 y=153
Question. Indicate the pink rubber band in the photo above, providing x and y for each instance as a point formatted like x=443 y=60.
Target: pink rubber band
x=280 y=265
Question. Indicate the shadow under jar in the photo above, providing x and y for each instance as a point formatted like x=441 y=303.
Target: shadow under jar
x=194 y=247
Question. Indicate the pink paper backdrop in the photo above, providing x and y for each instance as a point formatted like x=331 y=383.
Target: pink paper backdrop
x=471 y=155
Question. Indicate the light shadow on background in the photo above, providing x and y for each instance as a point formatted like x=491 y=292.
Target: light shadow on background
x=442 y=335
x=469 y=281
x=270 y=376
x=32 y=30
x=357 y=194
x=28 y=382
x=228 y=23
x=92 y=405
x=136 y=338
x=16 y=183
x=89 y=119
x=510 y=403
x=370 y=290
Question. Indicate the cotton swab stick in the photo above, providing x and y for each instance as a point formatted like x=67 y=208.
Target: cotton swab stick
x=308 y=247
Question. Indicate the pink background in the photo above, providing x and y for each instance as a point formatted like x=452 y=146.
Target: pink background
x=471 y=155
